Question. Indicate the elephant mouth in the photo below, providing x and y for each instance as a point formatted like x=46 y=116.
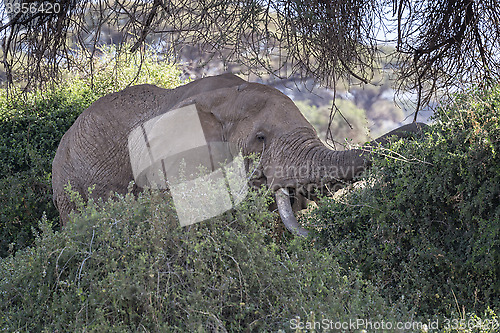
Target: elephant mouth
x=283 y=191
x=285 y=195
x=286 y=190
x=283 y=201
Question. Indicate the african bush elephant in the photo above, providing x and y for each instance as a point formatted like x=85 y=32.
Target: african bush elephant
x=253 y=118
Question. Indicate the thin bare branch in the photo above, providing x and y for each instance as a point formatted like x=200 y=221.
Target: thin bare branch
x=440 y=45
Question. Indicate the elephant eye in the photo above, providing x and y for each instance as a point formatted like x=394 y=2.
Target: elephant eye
x=260 y=136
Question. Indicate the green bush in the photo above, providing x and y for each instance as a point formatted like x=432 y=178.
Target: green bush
x=30 y=132
x=126 y=265
x=426 y=226
x=31 y=127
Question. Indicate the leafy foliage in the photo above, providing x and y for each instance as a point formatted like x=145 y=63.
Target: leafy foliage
x=426 y=225
x=126 y=265
x=32 y=126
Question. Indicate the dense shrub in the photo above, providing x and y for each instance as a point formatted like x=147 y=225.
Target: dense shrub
x=126 y=266
x=426 y=226
x=30 y=132
x=31 y=127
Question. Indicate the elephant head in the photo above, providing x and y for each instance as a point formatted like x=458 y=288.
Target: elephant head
x=250 y=117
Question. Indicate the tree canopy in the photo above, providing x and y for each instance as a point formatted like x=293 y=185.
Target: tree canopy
x=438 y=44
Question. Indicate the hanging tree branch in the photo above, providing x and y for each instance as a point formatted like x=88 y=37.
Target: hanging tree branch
x=438 y=43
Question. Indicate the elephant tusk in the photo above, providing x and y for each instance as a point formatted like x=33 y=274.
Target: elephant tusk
x=286 y=213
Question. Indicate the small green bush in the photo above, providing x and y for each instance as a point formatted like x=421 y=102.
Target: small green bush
x=32 y=125
x=126 y=265
x=426 y=227
x=30 y=133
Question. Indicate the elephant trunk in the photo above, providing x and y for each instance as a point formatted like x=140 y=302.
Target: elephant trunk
x=302 y=161
x=327 y=167
x=306 y=161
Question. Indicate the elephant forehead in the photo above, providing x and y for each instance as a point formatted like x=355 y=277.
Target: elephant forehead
x=268 y=104
x=251 y=102
x=284 y=114
x=257 y=96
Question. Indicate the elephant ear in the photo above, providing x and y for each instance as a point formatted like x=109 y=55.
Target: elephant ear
x=217 y=111
x=191 y=134
x=183 y=150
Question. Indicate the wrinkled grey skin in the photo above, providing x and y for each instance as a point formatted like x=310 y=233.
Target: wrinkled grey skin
x=254 y=117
